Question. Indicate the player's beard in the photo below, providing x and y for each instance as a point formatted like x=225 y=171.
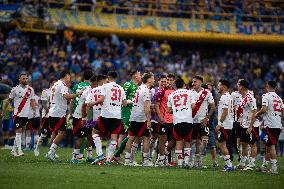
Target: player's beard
x=24 y=83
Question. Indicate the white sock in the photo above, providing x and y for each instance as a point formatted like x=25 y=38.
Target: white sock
x=28 y=141
x=53 y=148
x=227 y=160
x=264 y=162
x=179 y=157
x=152 y=148
x=75 y=153
x=127 y=157
x=186 y=155
x=145 y=156
x=90 y=152
x=18 y=140
x=273 y=162
x=134 y=149
x=112 y=148
x=14 y=146
x=39 y=142
x=243 y=160
x=162 y=158
x=197 y=158
x=173 y=156
x=107 y=150
x=36 y=139
x=251 y=161
x=98 y=143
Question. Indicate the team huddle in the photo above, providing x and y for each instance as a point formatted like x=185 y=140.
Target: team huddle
x=171 y=120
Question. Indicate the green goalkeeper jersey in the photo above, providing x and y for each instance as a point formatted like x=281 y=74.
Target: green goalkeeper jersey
x=130 y=91
x=78 y=87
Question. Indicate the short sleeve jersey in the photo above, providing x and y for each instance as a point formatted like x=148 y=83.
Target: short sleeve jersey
x=226 y=102
x=114 y=95
x=203 y=109
x=180 y=101
x=272 y=118
x=162 y=98
x=142 y=95
x=22 y=97
x=58 y=104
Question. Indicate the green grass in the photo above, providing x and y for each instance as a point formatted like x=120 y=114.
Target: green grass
x=30 y=172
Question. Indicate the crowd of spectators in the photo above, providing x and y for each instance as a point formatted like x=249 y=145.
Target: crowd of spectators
x=74 y=52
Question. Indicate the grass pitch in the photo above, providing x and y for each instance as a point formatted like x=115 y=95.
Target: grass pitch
x=31 y=172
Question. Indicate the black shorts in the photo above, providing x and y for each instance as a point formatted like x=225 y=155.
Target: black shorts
x=224 y=135
x=78 y=130
x=237 y=129
x=249 y=138
x=272 y=135
x=57 y=124
x=20 y=122
x=138 y=129
x=109 y=126
x=182 y=131
x=45 y=126
x=165 y=128
x=154 y=128
x=199 y=132
x=34 y=123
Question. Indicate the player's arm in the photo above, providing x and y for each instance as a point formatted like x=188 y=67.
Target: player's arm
x=7 y=102
x=169 y=105
x=100 y=100
x=264 y=107
x=84 y=111
x=224 y=114
x=212 y=110
x=157 y=107
x=68 y=96
x=147 y=109
x=261 y=111
x=33 y=105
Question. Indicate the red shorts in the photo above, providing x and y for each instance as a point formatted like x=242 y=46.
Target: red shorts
x=182 y=131
x=109 y=126
x=139 y=129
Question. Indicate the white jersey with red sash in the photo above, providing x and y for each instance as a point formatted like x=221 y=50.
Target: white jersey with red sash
x=200 y=111
x=22 y=97
x=244 y=112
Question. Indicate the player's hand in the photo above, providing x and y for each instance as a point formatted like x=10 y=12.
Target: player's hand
x=204 y=122
x=148 y=124
x=79 y=92
x=161 y=119
x=0 y=115
x=83 y=123
x=129 y=102
x=249 y=130
x=218 y=127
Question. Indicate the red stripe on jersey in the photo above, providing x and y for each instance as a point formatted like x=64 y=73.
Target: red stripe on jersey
x=199 y=102
x=23 y=102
